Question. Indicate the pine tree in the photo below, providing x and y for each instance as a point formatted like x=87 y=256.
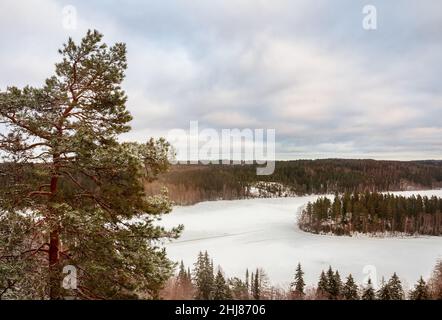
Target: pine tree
x=298 y=285
x=221 y=290
x=420 y=291
x=368 y=292
x=350 y=289
x=395 y=288
x=82 y=185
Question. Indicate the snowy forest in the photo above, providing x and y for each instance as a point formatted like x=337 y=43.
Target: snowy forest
x=81 y=208
x=373 y=213
x=205 y=282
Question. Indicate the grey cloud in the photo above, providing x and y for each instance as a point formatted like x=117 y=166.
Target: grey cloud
x=305 y=68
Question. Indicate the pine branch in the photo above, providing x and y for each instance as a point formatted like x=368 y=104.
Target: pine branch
x=39 y=193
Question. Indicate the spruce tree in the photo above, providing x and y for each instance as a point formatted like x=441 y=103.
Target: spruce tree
x=322 y=288
x=350 y=289
x=298 y=284
x=247 y=279
x=435 y=282
x=334 y=284
x=336 y=209
x=189 y=274
x=238 y=289
x=368 y=292
x=182 y=273
x=203 y=277
x=420 y=291
x=79 y=184
x=252 y=277
x=395 y=288
x=184 y=278
x=337 y=289
x=221 y=288
x=183 y=285
x=256 y=287
x=384 y=291
x=330 y=281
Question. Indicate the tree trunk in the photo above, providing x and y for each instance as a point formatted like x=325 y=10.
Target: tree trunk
x=54 y=268
x=54 y=246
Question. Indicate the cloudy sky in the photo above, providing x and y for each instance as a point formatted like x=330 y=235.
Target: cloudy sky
x=307 y=69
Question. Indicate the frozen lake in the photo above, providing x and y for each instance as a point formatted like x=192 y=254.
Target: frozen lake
x=262 y=233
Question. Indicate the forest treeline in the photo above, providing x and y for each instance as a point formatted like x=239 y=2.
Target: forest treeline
x=373 y=212
x=204 y=282
x=188 y=184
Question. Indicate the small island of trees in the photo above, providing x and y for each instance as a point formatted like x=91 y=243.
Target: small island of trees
x=373 y=212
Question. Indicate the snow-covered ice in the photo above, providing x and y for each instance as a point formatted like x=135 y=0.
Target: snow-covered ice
x=262 y=233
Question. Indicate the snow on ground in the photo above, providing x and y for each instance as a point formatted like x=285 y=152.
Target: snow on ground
x=262 y=233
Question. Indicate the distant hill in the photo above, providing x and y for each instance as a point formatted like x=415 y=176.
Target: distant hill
x=190 y=184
